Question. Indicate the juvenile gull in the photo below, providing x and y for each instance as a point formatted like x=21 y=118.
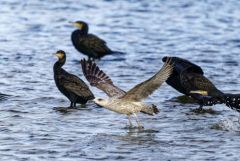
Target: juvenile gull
x=128 y=103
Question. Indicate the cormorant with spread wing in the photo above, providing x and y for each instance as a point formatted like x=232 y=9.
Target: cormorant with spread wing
x=188 y=78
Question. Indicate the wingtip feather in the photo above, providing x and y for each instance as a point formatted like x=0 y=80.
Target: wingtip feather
x=93 y=74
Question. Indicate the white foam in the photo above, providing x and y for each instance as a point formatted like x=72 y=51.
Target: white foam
x=230 y=124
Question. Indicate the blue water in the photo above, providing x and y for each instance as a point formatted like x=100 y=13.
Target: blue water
x=205 y=32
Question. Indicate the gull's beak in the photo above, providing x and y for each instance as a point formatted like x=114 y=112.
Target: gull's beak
x=94 y=100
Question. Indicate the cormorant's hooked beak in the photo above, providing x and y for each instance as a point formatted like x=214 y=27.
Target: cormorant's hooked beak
x=59 y=55
x=78 y=25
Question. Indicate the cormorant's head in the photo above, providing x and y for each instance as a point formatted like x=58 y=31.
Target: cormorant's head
x=81 y=25
x=60 y=54
x=100 y=101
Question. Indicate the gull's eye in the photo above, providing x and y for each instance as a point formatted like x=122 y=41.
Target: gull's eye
x=100 y=99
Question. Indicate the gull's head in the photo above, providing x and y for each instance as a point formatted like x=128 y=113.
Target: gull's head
x=100 y=101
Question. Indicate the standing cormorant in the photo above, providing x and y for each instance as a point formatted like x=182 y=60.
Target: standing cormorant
x=88 y=44
x=70 y=85
x=188 y=78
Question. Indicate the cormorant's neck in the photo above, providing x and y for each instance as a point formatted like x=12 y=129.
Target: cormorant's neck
x=59 y=64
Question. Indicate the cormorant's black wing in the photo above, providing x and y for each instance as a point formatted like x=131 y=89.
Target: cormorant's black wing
x=195 y=81
x=75 y=85
x=183 y=65
x=95 y=45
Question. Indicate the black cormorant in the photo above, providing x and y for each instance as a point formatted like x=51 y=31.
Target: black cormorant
x=188 y=78
x=88 y=44
x=70 y=85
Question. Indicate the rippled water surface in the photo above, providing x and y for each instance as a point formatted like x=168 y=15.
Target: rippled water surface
x=205 y=32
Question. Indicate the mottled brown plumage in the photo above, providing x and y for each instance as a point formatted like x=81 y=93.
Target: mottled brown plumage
x=88 y=44
x=146 y=88
x=99 y=79
x=70 y=85
x=125 y=102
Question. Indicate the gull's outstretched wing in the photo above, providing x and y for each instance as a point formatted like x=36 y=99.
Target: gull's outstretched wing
x=99 y=79
x=147 y=87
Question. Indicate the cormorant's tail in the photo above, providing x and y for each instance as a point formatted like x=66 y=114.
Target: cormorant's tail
x=232 y=101
x=150 y=109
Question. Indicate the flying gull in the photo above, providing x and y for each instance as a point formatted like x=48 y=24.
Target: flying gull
x=129 y=103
